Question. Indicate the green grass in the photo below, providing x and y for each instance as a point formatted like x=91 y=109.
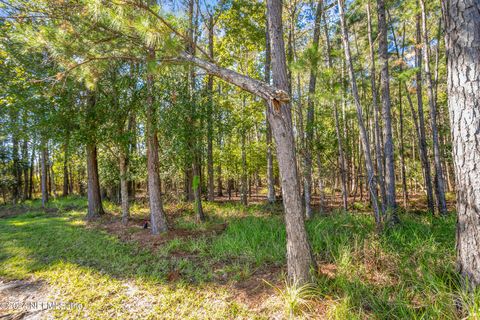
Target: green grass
x=405 y=273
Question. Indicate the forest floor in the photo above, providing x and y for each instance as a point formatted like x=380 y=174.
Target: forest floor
x=232 y=266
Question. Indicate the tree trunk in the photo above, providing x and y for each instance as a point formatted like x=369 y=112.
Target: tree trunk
x=363 y=133
x=52 y=180
x=132 y=150
x=123 y=166
x=44 y=172
x=95 y=208
x=387 y=117
x=32 y=168
x=343 y=173
x=197 y=191
x=376 y=112
x=299 y=255
x=462 y=26
x=421 y=123
x=437 y=155
x=270 y=177
x=17 y=172
x=307 y=169
x=402 y=147
x=158 y=220
x=65 y=171
x=211 y=187
x=244 y=187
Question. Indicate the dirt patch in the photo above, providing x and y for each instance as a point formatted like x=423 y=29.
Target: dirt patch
x=259 y=288
x=24 y=299
x=134 y=231
x=12 y=211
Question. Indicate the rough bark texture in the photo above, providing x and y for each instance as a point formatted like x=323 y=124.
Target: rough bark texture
x=363 y=132
x=157 y=215
x=462 y=28
x=299 y=256
x=387 y=117
x=437 y=155
x=95 y=208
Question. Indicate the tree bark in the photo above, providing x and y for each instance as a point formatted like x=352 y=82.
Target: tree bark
x=462 y=38
x=158 y=220
x=437 y=155
x=299 y=255
x=44 y=172
x=307 y=169
x=17 y=172
x=32 y=168
x=65 y=168
x=256 y=87
x=387 y=117
x=132 y=150
x=95 y=208
x=123 y=166
x=244 y=187
x=376 y=112
x=363 y=133
x=52 y=180
x=211 y=187
x=341 y=155
x=270 y=177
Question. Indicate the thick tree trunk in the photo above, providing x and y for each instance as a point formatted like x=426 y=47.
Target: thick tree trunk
x=437 y=155
x=387 y=117
x=462 y=26
x=363 y=133
x=421 y=123
x=158 y=220
x=376 y=113
x=299 y=256
x=44 y=172
x=95 y=208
